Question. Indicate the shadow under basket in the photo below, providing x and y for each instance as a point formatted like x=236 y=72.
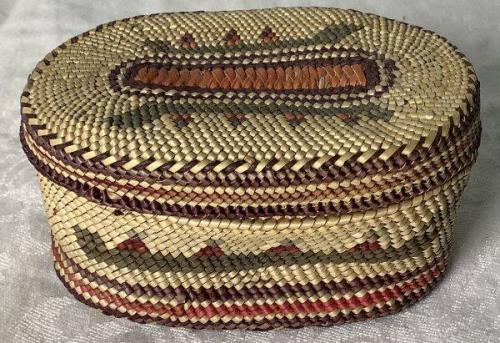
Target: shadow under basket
x=253 y=169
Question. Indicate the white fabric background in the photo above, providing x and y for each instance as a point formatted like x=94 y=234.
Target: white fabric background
x=34 y=306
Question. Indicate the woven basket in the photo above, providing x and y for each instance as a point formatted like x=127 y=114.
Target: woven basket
x=252 y=169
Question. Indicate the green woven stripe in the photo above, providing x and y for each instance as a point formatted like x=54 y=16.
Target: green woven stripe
x=152 y=111
x=94 y=248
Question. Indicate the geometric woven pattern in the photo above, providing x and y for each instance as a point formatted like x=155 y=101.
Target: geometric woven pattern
x=252 y=169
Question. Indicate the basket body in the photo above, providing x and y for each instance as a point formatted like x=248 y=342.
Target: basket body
x=253 y=169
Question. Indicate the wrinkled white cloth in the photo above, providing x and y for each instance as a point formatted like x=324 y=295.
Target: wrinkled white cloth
x=35 y=307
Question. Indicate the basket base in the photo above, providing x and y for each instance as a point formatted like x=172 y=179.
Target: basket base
x=419 y=287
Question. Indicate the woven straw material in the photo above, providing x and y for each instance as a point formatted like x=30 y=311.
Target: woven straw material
x=252 y=169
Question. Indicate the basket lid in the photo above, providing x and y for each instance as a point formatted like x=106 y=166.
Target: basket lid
x=280 y=97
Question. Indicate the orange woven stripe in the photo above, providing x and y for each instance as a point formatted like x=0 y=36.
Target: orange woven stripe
x=251 y=77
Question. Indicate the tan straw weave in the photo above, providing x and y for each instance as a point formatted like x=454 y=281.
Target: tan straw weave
x=252 y=169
